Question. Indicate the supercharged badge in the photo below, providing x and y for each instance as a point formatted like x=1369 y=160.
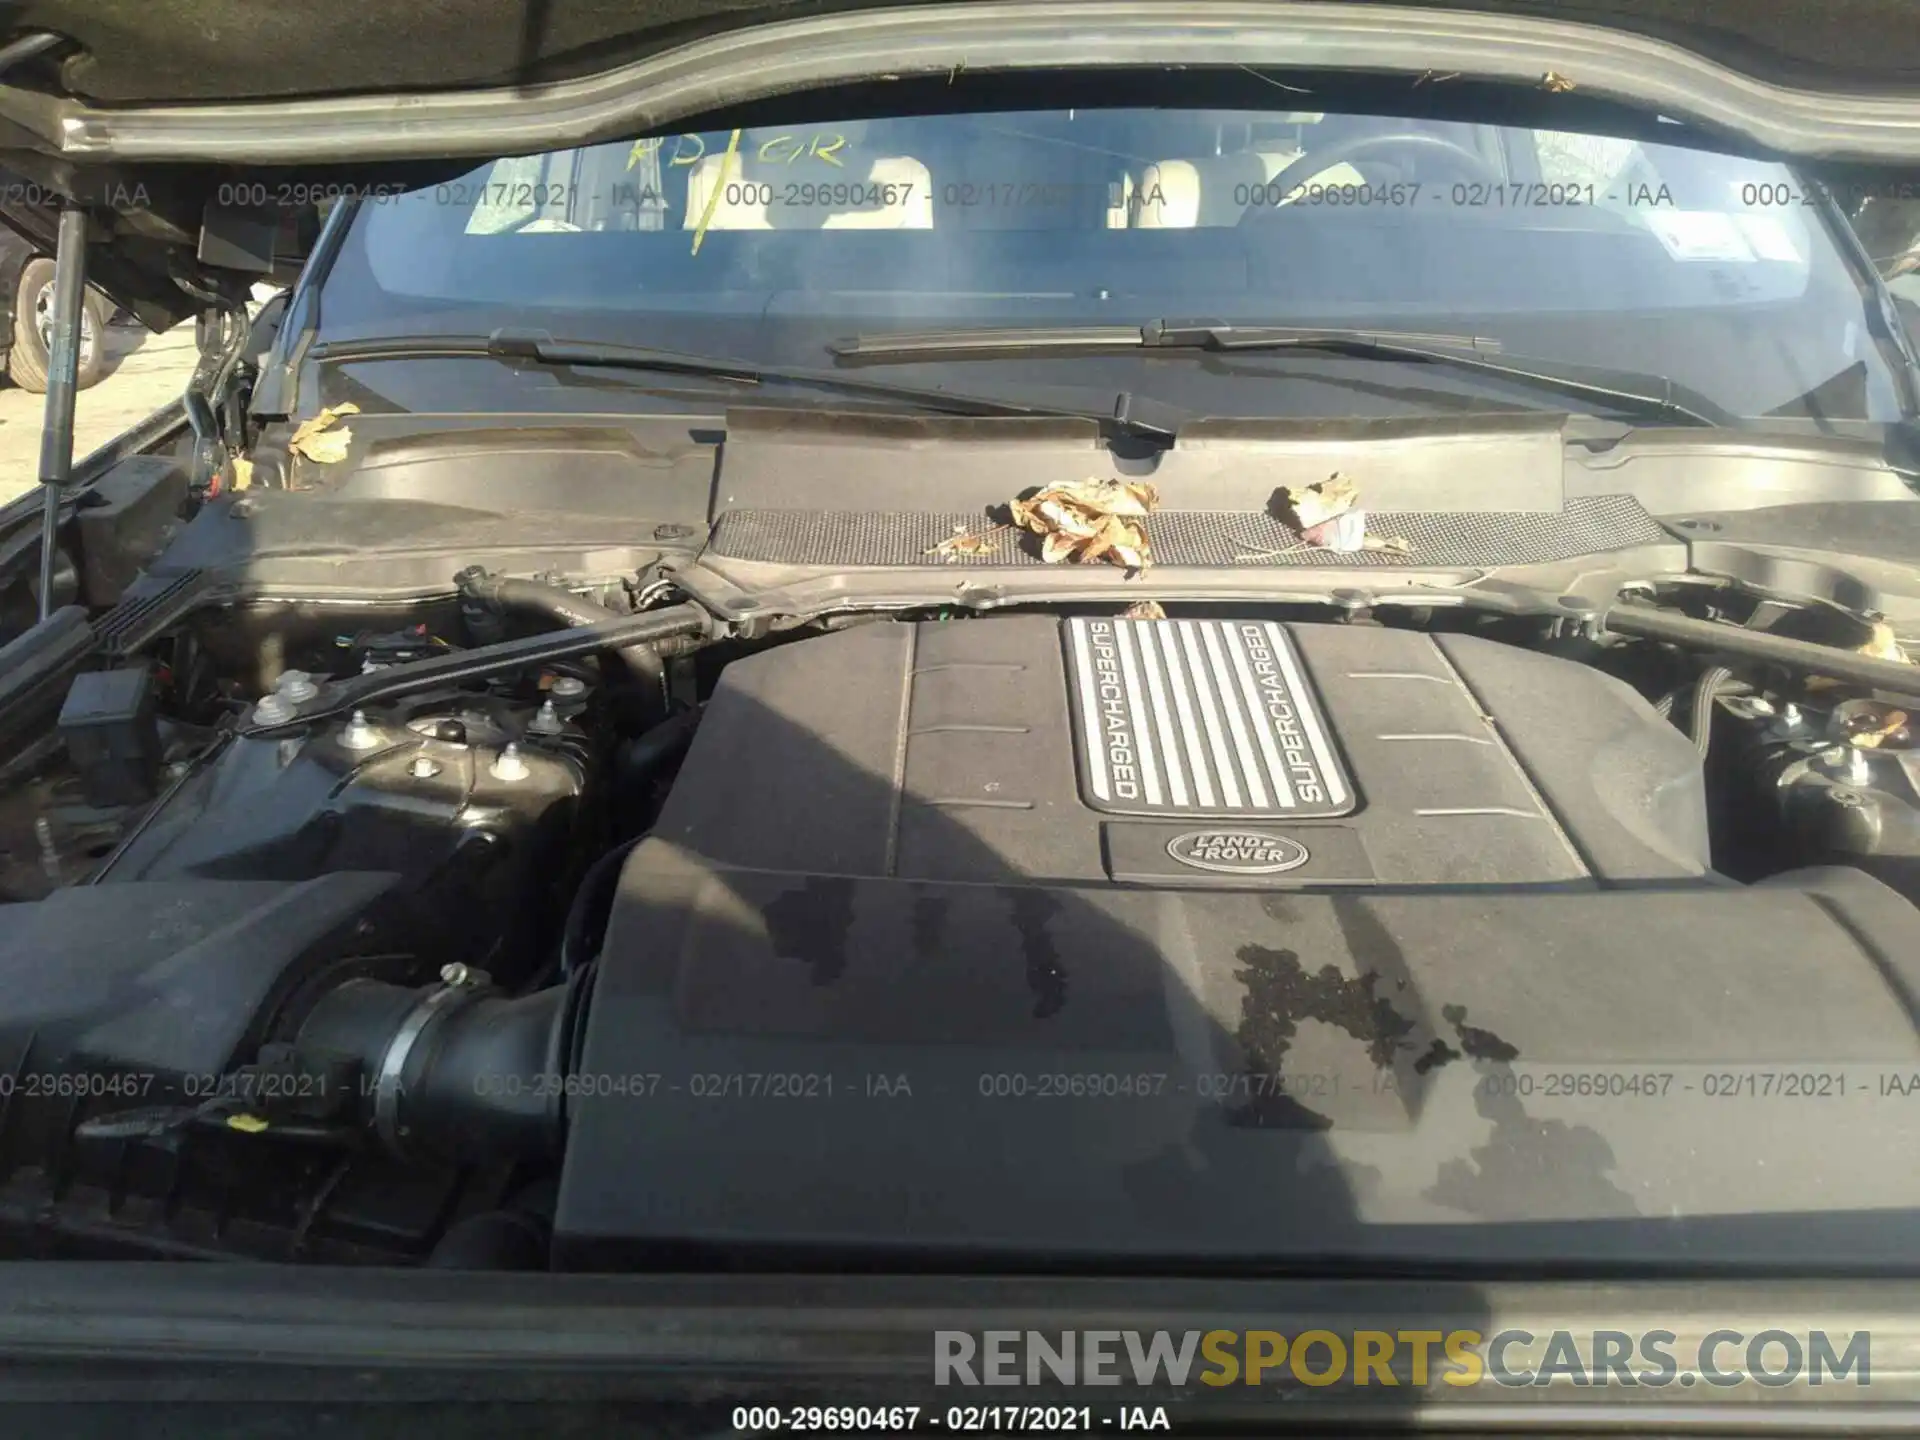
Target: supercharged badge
x=1238 y=852
x=1213 y=719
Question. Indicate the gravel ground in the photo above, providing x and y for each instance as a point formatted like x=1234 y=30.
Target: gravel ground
x=148 y=371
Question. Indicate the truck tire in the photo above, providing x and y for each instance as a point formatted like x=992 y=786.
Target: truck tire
x=32 y=311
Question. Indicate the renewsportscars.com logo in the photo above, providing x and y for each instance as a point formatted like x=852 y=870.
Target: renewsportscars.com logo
x=1460 y=1358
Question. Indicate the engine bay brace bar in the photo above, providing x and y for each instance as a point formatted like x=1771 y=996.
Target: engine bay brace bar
x=645 y=628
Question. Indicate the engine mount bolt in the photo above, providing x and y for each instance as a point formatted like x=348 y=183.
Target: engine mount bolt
x=272 y=710
x=568 y=687
x=546 y=720
x=1761 y=706
x=359 y=733
x=297 y=687
x=424 y=767
x=1851 y=799
x=1859 y=771
x=455 y=974
x=510 y=765
x=1790 y=715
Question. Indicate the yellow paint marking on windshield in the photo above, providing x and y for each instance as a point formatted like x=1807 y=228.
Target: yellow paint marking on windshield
x=648 y=146
x=791 y=149
x=690 y=149
x=713 y=194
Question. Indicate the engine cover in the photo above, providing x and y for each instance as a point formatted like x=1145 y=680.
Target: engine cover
x=1190 y=941
x=1098 y=749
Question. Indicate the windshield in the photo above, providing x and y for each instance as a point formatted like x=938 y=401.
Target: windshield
x=1718 y=272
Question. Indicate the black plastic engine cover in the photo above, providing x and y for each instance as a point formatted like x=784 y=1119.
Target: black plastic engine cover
x=873 y=988
x=835 y=1067
x=961 y=751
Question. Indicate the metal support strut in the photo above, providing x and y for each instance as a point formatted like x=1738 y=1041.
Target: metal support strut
x=63 y=376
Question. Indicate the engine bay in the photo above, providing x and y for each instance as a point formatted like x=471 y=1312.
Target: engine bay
x=587 y=923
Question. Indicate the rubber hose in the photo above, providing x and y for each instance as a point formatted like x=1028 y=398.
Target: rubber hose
x=456 y=1078
x=654 y=749
x=540 y=598
x=592 y=900
x=498 y=592
x=1700 y=718
x=493 y=1240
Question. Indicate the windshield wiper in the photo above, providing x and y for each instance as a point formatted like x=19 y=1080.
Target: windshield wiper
x=541 y=348
x=1645 y=395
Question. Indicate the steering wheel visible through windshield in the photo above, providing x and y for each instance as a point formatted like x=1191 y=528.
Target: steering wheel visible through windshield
x=1718 y=272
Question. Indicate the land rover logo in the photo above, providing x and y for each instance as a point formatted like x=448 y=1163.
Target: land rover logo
x=1237 y=852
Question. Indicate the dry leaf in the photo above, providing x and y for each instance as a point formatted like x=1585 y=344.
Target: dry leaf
x=1144 y=610
x=319 y=443
x=1884 y=645
x=1308 y=506
x=1554 y=81
x=1890 y=726
x=242 y=472
x=1090 y=520
x=327 y=449
x=965 y=542
x=1327 y=516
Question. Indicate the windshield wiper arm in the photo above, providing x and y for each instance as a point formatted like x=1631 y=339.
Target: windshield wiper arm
x=1155 y=334
x=1652 y=396
x=541 y=348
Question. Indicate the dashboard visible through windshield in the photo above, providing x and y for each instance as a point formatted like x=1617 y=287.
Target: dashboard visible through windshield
x=1719 y=272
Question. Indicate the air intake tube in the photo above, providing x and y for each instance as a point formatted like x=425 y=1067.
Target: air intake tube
x=457 y=1071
